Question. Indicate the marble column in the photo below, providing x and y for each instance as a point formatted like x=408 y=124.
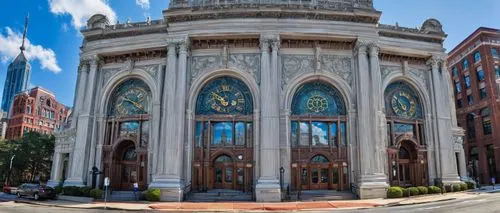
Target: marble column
x=80 y=91
x=372 y=180
x=55 y=171
x=181 y=94
x=268 y=188
x=444 y=140
x=81 y=151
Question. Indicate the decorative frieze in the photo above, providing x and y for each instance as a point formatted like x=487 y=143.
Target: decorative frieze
x=221 y=43
x=136 y=56
x=329 y=45
x=201 y=64
x=152 y=69
x=246 y=62
x=388 y=69
x=108 y=73
x=419 y=73
x=338 y=65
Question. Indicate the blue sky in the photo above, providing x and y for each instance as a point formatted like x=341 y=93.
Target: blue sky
x=54 y=40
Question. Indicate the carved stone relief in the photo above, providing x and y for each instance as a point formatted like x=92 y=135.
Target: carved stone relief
x=201 y=64
x=339 y=65
x=388 y=69
x=108 y=73
x=152 y=69
x=294 y=65
x=248 y=63
x=419 y=73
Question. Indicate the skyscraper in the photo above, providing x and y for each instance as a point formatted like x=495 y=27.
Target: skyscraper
x=18 y=76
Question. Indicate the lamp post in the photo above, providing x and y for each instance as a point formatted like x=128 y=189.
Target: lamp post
x=282 y=172
x=10 y=170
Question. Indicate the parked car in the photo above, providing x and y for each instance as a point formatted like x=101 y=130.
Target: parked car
x=36 y=191
x=9 y=189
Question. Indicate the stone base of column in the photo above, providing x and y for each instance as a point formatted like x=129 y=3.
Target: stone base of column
x=53 y=183
x=450 y=180
x=268 y=191
x=74 y=182
x=373 y=186
x=171 y=189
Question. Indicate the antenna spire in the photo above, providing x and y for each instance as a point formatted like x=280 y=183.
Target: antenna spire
x=25 y=31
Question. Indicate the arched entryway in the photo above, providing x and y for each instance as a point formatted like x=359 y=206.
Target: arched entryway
x=126 y=135
x=224 y=138
x=126 y=166
x=318 y=138
x=406 y=148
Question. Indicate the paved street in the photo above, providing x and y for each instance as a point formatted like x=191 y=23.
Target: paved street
x=11 y=207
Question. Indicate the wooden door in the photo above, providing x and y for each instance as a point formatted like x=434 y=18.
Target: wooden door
x=224 y=176
x=320 y=177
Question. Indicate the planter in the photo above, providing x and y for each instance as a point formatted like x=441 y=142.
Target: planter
x=75 y=199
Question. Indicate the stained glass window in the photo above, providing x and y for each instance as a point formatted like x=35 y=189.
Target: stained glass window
x=403 y=101
x=319 y=159
x=131 y=97
x=318 y=98
x=225 y=96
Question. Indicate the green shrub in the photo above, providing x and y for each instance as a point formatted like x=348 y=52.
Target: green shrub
x=152 y=195
x=406 y=192
x=71 y=190
x=394 y=192
x=470 y=185
x=85 y=191
x=96 y=193
x=457 y=187
x=434 y=190
x=463 y=186
x=422 y=190
x=413 y=191
x=58 y=189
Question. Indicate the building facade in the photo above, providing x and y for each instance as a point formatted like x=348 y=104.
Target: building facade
x=216 y=97
x=475 y=69
x=18 y=77
x=35 y=110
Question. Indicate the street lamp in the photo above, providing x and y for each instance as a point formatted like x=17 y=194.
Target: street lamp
x=282 y=172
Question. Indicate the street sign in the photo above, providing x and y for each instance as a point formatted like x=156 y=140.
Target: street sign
x=106 y=181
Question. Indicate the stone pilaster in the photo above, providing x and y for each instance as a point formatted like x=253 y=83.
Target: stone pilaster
x=443 y=130
x=180 y=108
x=80 y=90
x=268 y=188
x=81 y=151
x=372 y=180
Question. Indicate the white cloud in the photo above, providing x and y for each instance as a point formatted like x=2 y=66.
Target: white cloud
x=144 y=4
x=81 y=10
x=10 y=43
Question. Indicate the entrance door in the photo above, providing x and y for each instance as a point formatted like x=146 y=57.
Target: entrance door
x=224 y=174
x=129 y=176
x=319 y=177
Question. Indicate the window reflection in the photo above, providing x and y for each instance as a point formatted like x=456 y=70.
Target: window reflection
x=249 y=134
x=343 y=135
x=199 y=132
x=319 y=134
x=294 y=131
x=222 y=133
x=333 y=134
x=239 y=130
x=304 y=134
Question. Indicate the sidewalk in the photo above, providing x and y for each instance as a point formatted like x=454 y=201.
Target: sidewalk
x=488 y=189
x=253 y=206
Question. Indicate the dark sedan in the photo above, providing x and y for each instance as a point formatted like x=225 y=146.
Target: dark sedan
x=36 y=191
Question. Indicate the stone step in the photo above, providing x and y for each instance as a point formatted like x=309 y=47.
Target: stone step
x=122 y=196
x=218 y=196
x=320 y=195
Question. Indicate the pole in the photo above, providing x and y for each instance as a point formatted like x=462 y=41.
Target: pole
x=10 y=170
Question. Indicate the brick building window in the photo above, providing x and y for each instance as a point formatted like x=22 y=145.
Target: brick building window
x=477 y=57
x=459 y=103
x=454 y=71
x=458 y=87
x=470 y=100
x=467 y=81
x=482 y=93
x=465 y=64
x=485 y=116
x=494 y=52
x=497 y=71
x=480 y=74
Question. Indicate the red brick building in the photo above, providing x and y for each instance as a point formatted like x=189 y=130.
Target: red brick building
x=475 y=69
x=35 y=110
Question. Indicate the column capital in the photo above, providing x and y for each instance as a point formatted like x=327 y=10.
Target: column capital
x=264 y=45
x=184 y=46
x=435 y=60
x=374 y=49
x=275 y=44
x=361 y=46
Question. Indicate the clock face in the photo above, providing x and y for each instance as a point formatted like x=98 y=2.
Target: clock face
x=403 y=104
x=225 y=98
x=131 y=102
x=317 y=104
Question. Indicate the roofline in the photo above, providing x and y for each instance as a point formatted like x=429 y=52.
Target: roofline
x=474 y=34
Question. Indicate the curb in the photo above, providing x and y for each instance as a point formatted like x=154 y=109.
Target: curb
x=408 y=204
x=71 y=207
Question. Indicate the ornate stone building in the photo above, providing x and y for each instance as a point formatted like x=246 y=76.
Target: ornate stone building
x=229 y=94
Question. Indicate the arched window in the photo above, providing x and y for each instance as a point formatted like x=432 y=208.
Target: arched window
x=319 y=159
x=318 y=116
x=477 y=57
x=466 y=64
x=223 y=159
x=224 y=108
x=403 y=153
x=471 y=129
x=486 y=119
x=130 y=154
x=404 y=113
x=131 y=97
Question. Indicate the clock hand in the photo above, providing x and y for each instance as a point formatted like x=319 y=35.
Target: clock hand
x=134 y=103
x=403 y=106
x=220 y=99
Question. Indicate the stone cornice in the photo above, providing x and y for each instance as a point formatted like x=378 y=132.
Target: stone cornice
x=411 y=35
x=118 y=31
x=187 y=14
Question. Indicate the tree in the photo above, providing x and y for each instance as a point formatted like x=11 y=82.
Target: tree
x=33 y=157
